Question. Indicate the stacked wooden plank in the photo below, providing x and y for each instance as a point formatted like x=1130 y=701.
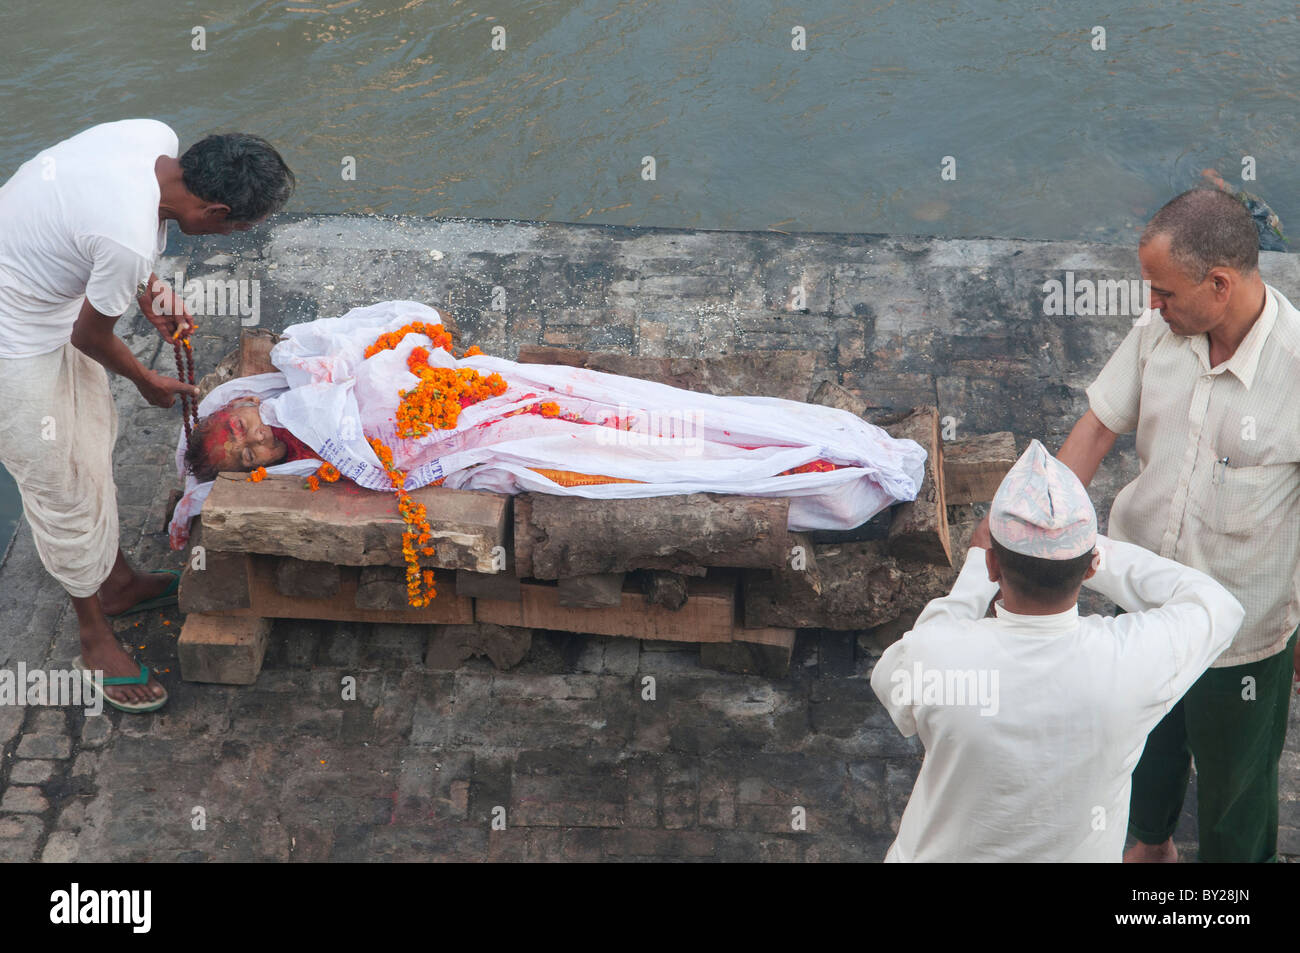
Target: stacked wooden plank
x=719 y=570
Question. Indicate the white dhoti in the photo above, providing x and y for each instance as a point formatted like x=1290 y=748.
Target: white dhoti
x=58 y=425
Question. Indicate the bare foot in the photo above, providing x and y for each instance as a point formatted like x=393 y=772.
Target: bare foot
x=1141 y=853
x=101 y=651
x=139 y=586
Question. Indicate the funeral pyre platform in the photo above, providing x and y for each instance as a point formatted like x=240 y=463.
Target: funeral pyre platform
x=719 y=570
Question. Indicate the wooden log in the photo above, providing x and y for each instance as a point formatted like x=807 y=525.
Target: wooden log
x=769 y=657
x=920 y=527
x=800 y=570
x=447 y=607
x=663 y=588
x=306 y=580
x=449 y=646
x=557 y=536
x=252 y=355
x=881 y=637
x=384 y=588
x=488 y=585
x=593 y=591
x=346 y=525
x=255 y=346
x=880 y=404
x=862 y=586
x=830 y=394
x=757 y=373
x=708 y=616
x=212 y=581
x=227 y=369
x=521 y=536
x=973 y=468
x=225 y=649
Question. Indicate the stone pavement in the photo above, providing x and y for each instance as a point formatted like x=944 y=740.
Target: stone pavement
x=565 y=749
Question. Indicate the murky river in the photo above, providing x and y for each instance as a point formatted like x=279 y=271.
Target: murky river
x=824 y=115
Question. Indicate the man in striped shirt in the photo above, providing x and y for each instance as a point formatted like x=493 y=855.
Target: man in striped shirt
x=1208 y=380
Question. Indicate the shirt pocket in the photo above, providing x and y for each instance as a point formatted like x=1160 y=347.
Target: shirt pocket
x=1241 y=497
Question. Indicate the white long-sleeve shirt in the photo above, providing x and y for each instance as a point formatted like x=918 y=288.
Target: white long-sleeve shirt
x=1032 y=725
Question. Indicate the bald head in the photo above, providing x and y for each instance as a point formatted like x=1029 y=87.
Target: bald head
x=1206 y=229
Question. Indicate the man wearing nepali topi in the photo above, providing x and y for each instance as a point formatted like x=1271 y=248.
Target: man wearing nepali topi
x=1206 y=378
x=1033 y=720
x=81 y=225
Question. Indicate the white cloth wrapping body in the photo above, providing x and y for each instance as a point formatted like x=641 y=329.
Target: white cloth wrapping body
x=56 y=440
x=330 y=396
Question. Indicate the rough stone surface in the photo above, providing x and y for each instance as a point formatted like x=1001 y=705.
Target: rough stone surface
x=566 y=743
x=44 y=746
x=23 y=800
x=450 y=645
x=31 y=772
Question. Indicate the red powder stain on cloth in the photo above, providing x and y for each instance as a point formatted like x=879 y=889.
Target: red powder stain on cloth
x=295 y=449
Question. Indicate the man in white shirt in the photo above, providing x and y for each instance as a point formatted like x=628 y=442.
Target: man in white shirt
x=81 y=224
x=1206 y=379
x=1033 y=721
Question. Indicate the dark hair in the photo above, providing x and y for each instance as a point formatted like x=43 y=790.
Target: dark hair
x=1207 y=229
x=1043 y=580
x=239 y=170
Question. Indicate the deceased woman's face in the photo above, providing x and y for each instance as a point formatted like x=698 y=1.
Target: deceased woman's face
x=242 y=441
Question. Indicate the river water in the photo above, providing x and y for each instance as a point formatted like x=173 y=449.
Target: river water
x=1049 y=137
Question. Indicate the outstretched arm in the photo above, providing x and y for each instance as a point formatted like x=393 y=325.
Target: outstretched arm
x=1181 y=621
x=92 y=334
x=1086 y=447
x=970 y=596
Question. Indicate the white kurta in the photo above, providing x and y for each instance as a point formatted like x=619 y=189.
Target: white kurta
x=1032 y=725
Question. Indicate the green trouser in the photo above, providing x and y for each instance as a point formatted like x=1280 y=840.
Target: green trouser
x=1233 y=722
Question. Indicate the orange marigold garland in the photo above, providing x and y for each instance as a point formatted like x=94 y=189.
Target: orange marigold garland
x=434 y=403
x=327 y=472
x=389 y=340
x=415 y=540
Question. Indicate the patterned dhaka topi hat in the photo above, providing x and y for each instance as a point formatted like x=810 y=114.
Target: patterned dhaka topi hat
x=1041 y=509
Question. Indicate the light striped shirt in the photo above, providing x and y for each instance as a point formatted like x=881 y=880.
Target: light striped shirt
x=1219 y=447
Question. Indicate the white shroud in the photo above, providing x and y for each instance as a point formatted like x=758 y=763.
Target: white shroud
x=330 y=396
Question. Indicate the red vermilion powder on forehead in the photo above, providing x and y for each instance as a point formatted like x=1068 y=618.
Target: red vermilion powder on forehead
x=213 y=438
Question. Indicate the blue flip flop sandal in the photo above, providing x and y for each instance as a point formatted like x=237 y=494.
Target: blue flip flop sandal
x=141 y=679
x=164 y=600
